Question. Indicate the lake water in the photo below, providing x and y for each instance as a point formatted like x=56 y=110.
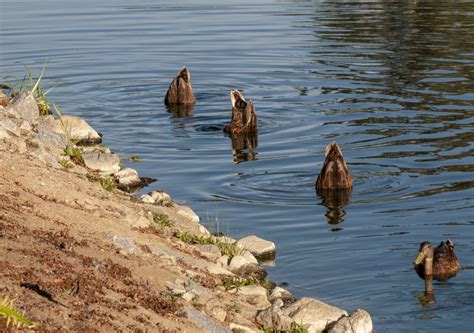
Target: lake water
x=392 y=82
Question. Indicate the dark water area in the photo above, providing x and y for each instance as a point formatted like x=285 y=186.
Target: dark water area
x=392 y=82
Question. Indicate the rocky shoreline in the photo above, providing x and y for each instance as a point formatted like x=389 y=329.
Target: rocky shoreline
x=82 y=254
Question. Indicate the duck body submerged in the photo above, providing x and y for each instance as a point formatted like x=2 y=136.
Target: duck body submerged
x=440 y=261
x=244 y=117
x=180 y=90
x=334 y=173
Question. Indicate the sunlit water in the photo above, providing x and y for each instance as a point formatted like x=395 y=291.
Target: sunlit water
x=391 y=82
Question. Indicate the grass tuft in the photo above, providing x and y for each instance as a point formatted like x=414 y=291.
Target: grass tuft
x=162 y=220
x=12 y=315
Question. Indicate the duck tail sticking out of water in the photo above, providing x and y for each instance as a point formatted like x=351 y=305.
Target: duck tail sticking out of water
x=244 y=117
x=180 y=90
x=334 y=173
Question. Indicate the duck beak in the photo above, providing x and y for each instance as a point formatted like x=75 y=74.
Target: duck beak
x=419 y=258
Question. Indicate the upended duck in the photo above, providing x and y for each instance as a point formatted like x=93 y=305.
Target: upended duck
x=244 y=118
x=440 y=263
x=180 y=90
x=334 y=173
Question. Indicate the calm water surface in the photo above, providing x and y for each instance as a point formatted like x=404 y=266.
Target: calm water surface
x=391 y=82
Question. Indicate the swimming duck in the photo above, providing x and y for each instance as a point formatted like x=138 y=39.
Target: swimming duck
x=334 y=173
x=440 y=263
x=180 y=90
x=244 y=118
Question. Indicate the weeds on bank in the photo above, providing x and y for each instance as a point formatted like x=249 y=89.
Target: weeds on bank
x=233 y=308
x=74 y=153
x=162 y=220
x=12 y=316
x=294 y=328
x=35 y=86
x=232 y=282
x=107 y=182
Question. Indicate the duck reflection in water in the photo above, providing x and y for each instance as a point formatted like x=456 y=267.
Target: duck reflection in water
x=181 y=110
x=335 y=201
x=243 y=128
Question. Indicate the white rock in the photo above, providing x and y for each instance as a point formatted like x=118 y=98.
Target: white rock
x=76 y=129
x=203 y=230
x=309 y=311
x=358 y=322
x=160 y=196
x=257 y=246
x=280 y=293
x=238 y=263
x=4 y=134
x=223 y=261
x=128 y=177
x=102 y=162
x=187 y=213
x=226 y=239
x=274 y=317
x=146 y=198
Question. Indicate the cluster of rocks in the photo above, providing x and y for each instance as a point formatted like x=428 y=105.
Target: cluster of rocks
x=24 y=130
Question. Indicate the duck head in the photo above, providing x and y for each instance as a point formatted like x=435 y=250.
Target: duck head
x=334 y=173
x=180 y=90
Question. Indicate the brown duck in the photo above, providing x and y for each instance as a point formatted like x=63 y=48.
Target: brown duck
x=244 y=118
x=440 y=263
x=180 y=90
x=334 y=174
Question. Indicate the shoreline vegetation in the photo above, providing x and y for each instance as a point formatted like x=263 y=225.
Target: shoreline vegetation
x=81 y=253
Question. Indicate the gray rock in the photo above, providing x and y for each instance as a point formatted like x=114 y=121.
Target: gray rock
x=76 y=129
x=204 y=322
x=202 y=294
x=259 y=247
x=24 y=106
x=274 y=317
x=102 y=162
x=50 y=139
x=10 y=127
x=125 y=243
x=209 y=251
x=236 y=328
x=358 y=322
x=316 y=314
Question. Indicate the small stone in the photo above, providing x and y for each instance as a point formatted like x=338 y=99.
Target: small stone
x=278 y=303
x=188 y=296
x=242 y=266
x=259 y=247
x=203 y=230
x=219 y=314
x=201 y=294
x=209 y=251
x=101 y=162
x=125 y=243
x=358 y=322
x=253 y=290
x=274 y=317
x=187 y=213
x=249 y=256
